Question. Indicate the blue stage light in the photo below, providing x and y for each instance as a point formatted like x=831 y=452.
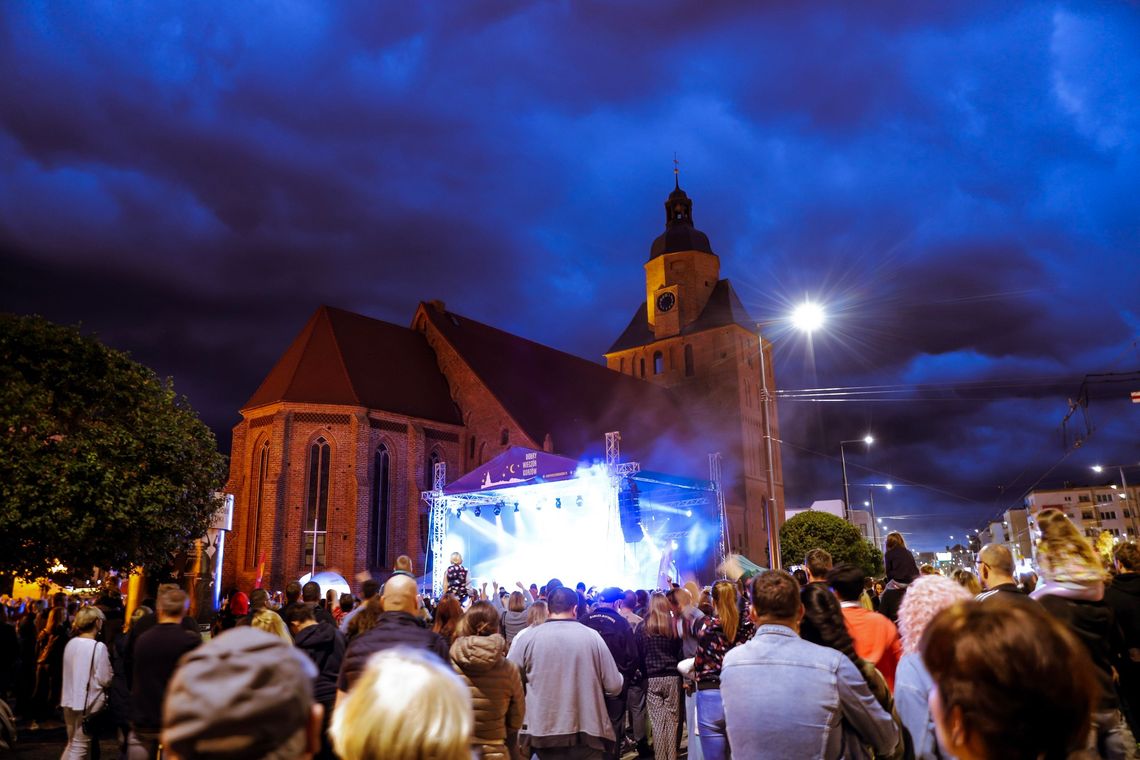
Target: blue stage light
x=478 y=511
x=516 y=506
x=558 y=503
x=579 y=501
x=498 y=510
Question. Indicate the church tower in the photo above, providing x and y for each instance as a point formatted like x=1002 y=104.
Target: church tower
x=693 y=336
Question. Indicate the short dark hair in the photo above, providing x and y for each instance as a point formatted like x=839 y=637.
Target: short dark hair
x=800 y=576
x=818 y=562
x=297 y=613
x=775 y=594
x=370 y=588
x=846 y=580
x=311 y=592
x=1021 y=681
x=561 y=600
x=293 y=591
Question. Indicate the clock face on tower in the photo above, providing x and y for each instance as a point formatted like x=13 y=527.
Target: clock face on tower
x=666 y=301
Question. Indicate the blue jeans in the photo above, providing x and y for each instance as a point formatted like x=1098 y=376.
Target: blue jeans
x=710 y=720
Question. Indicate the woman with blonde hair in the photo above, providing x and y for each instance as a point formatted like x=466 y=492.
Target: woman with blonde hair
x=406 y=706
x=716 y=635
x=495 y=684
x=659 y=644
x=86 y=676
x=1072 y=591
x=270 y=622
x=925 y=598
x=968 y=581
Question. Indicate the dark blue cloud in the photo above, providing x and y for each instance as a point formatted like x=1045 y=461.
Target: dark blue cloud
x=959 y=184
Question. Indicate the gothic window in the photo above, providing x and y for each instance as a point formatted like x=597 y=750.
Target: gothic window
x=257 y=502
x=471 y=448
x=429 y=474
x=643 y=366
x=621 y=365
x=504 y=437
x=689 y=360
x=316 y=502
x=424 y=526
x=381 y=503
x=658 y=363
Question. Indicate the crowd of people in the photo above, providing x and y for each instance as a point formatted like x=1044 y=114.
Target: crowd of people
x=822 y=663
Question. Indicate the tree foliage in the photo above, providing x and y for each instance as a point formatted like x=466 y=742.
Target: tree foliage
x=102 y=464
x=822 y=530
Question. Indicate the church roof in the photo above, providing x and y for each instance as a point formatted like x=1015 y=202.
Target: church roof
x=723 y=308
x=345 y=358
x=547 y=391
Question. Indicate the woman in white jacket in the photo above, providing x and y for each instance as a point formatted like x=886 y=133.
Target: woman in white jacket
x=86 y=676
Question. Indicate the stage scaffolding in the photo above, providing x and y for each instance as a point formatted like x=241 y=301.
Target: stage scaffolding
x=441 y=504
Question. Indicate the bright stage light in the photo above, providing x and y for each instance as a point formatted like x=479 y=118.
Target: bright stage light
x=688 y=513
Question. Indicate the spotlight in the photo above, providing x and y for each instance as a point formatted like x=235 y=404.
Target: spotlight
x=688 y=513
x=516 y=506
x=558 y=503
x=498 y=510
x=459 y=512
x=579 y=500
x=478 y=511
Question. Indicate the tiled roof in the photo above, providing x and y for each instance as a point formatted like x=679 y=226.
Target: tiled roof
x=345 y=358
x=575 y=401
x=723 y=308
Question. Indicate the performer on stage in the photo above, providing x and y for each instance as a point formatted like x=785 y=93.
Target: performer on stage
x=457 y=577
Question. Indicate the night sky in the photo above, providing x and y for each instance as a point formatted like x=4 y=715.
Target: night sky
x=959 y=184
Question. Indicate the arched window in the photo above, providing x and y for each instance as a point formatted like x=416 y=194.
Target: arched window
x=621 y=365
x=257 y=502
x=658 y=362
x=316 y=502
x=381 y=502
x=689 y=360
x=643 y=366
x=471 y=448
x=429 y=474
x=504 y=437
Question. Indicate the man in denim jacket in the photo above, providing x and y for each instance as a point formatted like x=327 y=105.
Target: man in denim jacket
x=786 y=697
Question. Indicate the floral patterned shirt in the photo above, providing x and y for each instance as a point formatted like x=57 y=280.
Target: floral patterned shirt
x=712 y=645
x=457 y=581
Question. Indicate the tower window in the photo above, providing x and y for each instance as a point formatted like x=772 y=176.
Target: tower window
x=471 y=448
x=504 y=437
x=621 y=365
x=689 y=360
x=381 y=502
x=643 y=366
x=316 y=503
x=658 y=363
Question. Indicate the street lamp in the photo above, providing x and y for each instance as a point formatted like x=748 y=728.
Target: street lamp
x=868 y=440
x=808 y=317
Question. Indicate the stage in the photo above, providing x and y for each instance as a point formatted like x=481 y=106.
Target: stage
x=528 y=516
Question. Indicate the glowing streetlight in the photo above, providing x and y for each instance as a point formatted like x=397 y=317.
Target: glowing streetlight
x=1097 y=468
x=808 y=317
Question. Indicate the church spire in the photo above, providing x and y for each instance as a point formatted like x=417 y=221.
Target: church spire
x=676 y=172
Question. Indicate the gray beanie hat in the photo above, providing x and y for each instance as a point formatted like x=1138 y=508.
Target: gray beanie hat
x=244 y=694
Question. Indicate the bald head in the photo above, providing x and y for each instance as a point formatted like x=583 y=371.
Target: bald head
x=995 y=565
x=400 y=595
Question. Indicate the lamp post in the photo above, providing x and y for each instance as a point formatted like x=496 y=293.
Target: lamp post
x=867 y=439
x=807 y=317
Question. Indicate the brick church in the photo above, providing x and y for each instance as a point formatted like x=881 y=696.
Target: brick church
x=335 y=446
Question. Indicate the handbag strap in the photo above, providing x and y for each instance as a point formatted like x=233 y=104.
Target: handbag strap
x=90 y=675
